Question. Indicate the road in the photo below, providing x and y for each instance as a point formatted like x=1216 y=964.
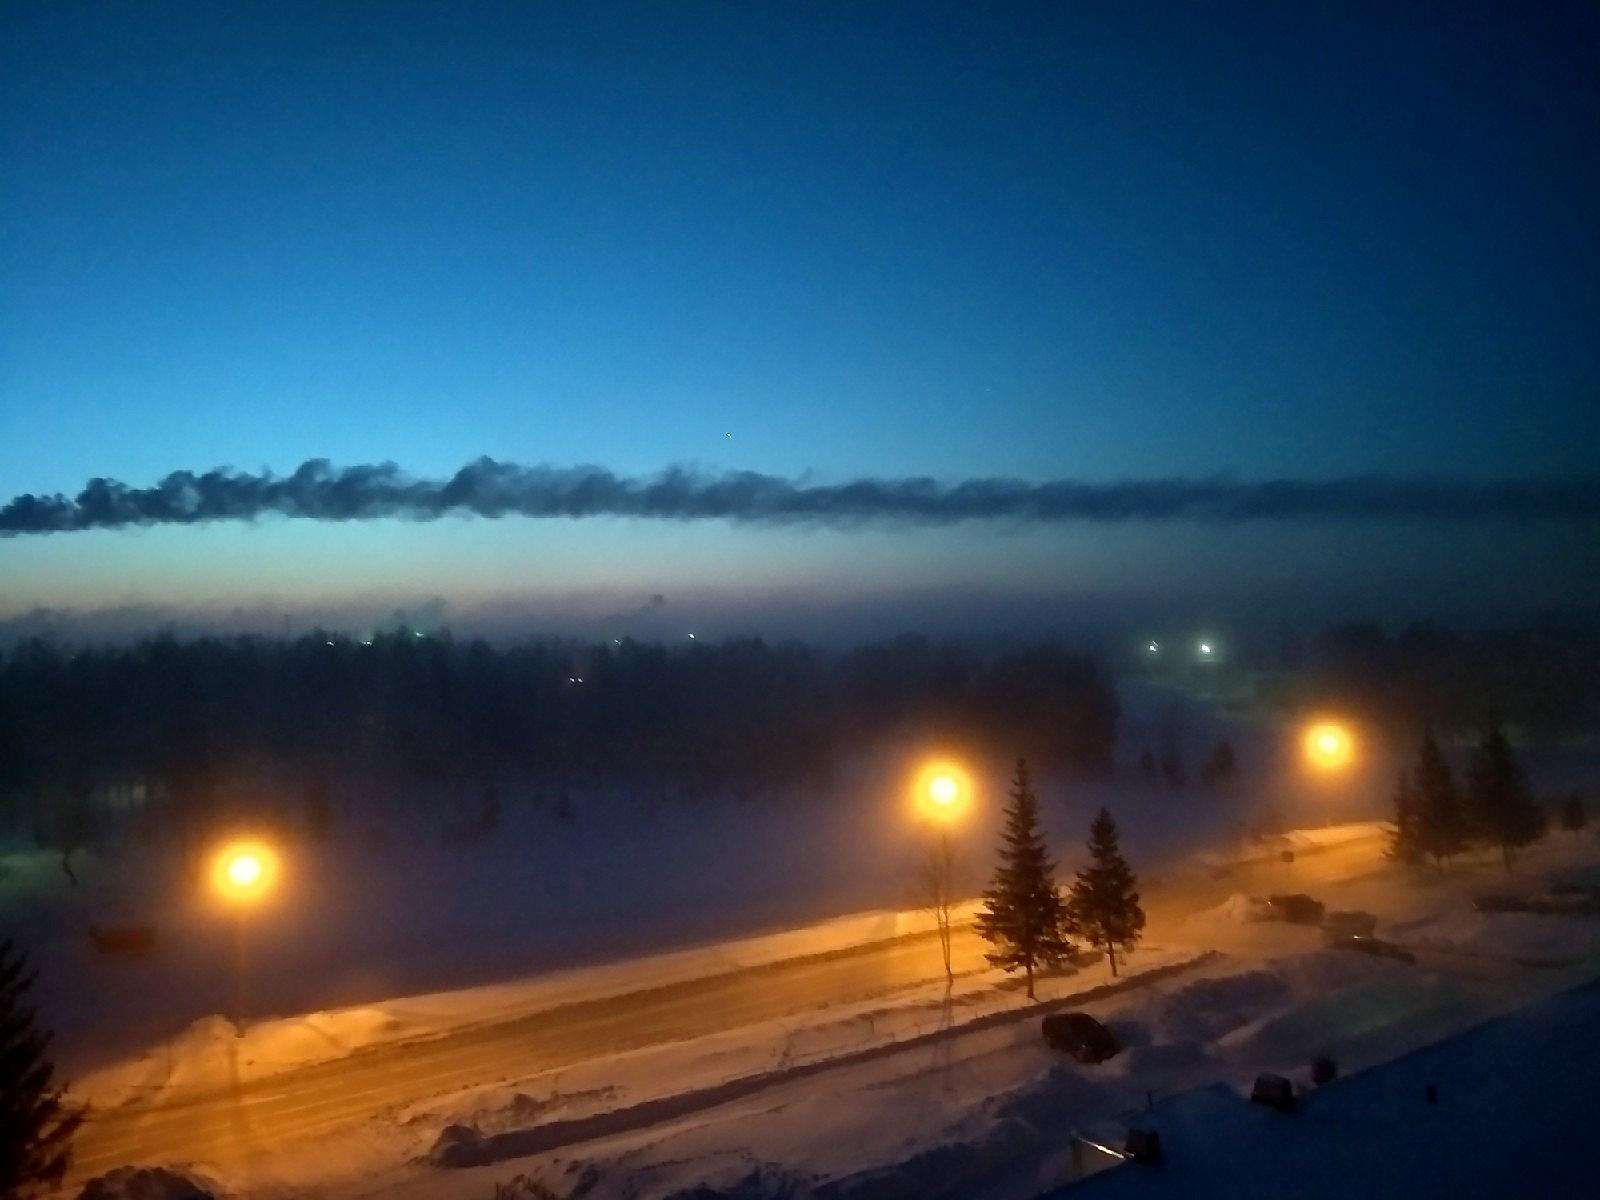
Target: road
x=233 y=1127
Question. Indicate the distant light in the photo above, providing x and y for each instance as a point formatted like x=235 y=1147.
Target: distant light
x=691 y=637
x=366 y=641
x=1154 y=648
x=616 y=641
x=419 y=633
x=1205 y=647
x=330 y=643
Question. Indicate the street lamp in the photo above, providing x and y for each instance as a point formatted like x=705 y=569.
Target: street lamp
x=243 y=874
x=1328 y=746
x=941 y=795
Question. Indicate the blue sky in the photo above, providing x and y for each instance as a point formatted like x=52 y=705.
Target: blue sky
x=1039 y=241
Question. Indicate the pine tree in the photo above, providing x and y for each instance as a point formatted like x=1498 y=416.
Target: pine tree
x=1573 y=814
x=36 y=1128
x=1501 y=807
x=1220 y=768
x=1103 y=907
x=1406 y=843
x=1022 y=911
x=1441 y=823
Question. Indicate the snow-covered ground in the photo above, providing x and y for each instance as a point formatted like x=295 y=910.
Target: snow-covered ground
x=387 y=937
x=916 y=1094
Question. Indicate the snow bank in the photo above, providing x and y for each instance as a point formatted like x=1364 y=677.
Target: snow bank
x=149 y=1183
x=210 y=1053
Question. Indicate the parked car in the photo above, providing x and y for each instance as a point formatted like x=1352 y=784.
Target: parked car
x=1376 y=947
x=1349 y=924
x=124 y=941
x=1296 y=908
x=1274 y=1091
x=1081 y=1036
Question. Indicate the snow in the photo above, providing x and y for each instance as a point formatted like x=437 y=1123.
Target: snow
x=206 y=1054
x=1512 y=1119
x=913 y=1092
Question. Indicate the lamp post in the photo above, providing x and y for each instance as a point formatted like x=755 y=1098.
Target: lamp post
x=243 y=873
x=942 y=794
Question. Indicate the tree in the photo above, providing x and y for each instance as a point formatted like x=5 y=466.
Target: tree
x=1103 y=905
x=937 y=888
x=1221 y=767
x=1172 y=768
x=1406 y=843
x=1501 y=807
x=36 y=1127
x=1022 y=911
x=1573 y=814
x=1441 y=823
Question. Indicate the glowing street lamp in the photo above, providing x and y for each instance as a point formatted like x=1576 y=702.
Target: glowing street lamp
x=941 y=795
x=243 y=874
x=1329 y=746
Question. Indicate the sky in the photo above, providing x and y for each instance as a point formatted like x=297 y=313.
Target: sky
x=1095 y=243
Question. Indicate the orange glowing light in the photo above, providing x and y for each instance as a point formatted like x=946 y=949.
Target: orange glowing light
x=942 y=791
x=244 y=871
x=1329 y=746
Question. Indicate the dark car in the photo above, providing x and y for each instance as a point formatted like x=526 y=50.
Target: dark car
x=1376 y=947
x=1081 y=1036
x=1296 y=908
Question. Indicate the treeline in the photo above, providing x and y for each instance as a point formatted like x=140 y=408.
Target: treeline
x=1437 y=816
x=197 y=726
x=1544 y=682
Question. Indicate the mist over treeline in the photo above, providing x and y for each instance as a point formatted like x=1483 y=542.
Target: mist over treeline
x=187 y=734
x=1544 y=682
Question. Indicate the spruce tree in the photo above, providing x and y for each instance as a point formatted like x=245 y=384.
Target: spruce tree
x=36 y=1128
x=1406 y=843
x=1501 y=808
x=1573 y=814
x=1103 y=907
x=1441 y=823
x=1022 y=911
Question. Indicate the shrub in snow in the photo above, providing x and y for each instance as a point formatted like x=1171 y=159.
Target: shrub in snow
x=523 y=1188
x=149 y=1183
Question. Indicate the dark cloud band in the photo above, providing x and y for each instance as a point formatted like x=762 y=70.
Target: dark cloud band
x=488 y=488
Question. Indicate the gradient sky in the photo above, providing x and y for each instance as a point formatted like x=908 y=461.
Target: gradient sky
x=1053 y=241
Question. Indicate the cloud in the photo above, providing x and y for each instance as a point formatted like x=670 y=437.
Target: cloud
x=487 y=488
